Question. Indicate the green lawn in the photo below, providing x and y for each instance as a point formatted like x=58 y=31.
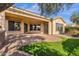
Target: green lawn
x=67 y=47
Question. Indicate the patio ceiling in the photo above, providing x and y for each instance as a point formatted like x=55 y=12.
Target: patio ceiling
x=26 y=19
x=24 y=16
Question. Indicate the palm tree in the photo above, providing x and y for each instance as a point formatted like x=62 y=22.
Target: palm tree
x=4 y=6
x=53 y=8
x=75 y=17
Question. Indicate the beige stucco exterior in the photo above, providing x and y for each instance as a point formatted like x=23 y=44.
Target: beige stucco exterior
x=17 y=15
x=60 y=21
x=2 y=20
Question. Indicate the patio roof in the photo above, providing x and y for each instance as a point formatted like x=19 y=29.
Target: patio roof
x=58 y=17
x=26 y=13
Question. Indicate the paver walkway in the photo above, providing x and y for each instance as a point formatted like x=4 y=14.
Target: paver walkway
x=13 y=42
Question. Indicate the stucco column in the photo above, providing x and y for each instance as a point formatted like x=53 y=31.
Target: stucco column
x=28 y=27
x=49 y=28
x=22 y=26
x=63 y=29
x=42 y=28
x=2 y=20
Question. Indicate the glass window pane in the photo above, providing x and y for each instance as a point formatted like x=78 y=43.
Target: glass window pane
x=38 y=27
x=17 y=26
x=11 y=25
x=31 y=27
x=35 y=27
x=59 y=27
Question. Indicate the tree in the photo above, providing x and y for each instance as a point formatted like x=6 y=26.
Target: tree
x=75 y=17
x=53 y=8
x=4 y=6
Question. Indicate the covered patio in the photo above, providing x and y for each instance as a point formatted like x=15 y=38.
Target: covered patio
x=25 y=23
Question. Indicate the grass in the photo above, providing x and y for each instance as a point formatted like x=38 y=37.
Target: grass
x=66 y=47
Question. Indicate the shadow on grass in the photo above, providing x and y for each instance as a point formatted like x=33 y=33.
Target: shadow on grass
x=70 y=44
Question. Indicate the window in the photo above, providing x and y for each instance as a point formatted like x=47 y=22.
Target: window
x=38 y=27
x=31 y=27
x=59 y=27
x=13 y=26
x=35 y=27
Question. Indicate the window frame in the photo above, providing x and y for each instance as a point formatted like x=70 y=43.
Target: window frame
x=59 y=27
x=12 y=27
x=33 y=27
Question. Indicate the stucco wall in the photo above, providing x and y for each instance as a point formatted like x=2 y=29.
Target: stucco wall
x=2 y=20
x=57 y=20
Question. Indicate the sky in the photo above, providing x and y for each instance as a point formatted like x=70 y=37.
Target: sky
x=33 y=7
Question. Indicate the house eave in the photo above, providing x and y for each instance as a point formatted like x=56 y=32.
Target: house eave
x=28 y=12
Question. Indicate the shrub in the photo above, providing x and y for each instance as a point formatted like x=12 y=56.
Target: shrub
x=44 y=49
x=75 y=52
x=69 y=46
x=72 y=30
x=64 y=48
